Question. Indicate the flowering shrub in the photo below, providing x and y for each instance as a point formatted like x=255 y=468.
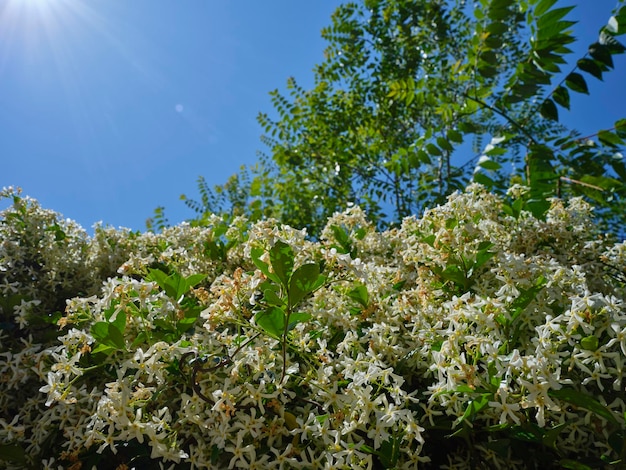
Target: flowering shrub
x=474 y=337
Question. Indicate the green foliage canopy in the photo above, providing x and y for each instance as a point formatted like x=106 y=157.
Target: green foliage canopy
x=417 y=98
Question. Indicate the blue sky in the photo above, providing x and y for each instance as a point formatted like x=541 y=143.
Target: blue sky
x=110 y=108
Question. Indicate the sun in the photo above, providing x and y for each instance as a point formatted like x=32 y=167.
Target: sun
x=32 y=28
x=21 y=19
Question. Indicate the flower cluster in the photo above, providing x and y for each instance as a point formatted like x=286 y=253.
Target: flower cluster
x=463 y=339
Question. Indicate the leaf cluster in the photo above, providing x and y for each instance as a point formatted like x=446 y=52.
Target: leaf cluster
x=404 y=100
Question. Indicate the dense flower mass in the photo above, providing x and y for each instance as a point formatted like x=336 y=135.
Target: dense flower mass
x=467 y=338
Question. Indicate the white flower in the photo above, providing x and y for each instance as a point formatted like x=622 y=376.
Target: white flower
x=506 y=410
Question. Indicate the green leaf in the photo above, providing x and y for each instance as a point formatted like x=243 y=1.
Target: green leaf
x=116 y=338
x=360 y=295
x=590 y=66
x=272 y=298
x=610 y=139
x=103 y=348
x=483 y=256
x=59 y=234
x=454 y=136
x=433 y=149
x=590 y=343
x=185 y=324
x=256 y=254
x=576 y=82
x=120 y=321
x=620 y=128
x=616 y=440
x=162 y=280
x=12 y=453
x=489 y=164
x=620 y=168
x=281 y=257
x=548 y=110
x=483 y=179
x=343 y=238
x=100 y=330
x=109 y=335
x=549 y=25
x=194 y=280
x=272 y=321
x=453 y=273
x=174 y=285
x=550 y=435
x=561 y=96
x=602 y=54
x=573 y=465
x=582 y=400
x=543 y=6
x=525 y=297
x=298 y=317
x=527 y=433
x=141 y=338
x=444 y=144
x=474 y=406
x=389 y=452
x=304 y=281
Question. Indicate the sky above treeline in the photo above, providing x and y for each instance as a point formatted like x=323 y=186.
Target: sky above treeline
x=110 y=108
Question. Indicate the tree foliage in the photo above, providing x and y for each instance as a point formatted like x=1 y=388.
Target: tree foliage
x=416 y=98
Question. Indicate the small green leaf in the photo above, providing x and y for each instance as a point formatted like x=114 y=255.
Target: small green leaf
x=303 y=282
x=195 y=279
x=610 y=139
x=174 y=285
x=483 y=256
x=256 y=254
x=543 y=6
x=489 y=164
x=454 y=136
x=550 y=435
x=483 y=179
x=360 y=294
x=590 y=343
x=573 y=465
x=576 y=82
x=103 y=348
x=444 y=144
x=59 y=234
x=108 y=334
x=389 y=452
x=281 y=257
x=272 y=321
x=548 y=110
x=602 y=54
x=433 y=149
x=298 y=317
x=561 y=96
x=116 y=338
x=343 y=238
x=12 y=453
x=453 y=273
x=590 y=66
x=474 y=406
x=620 y=127
x=272 y=298
x=100 y=330
x=120 y=321
x=162 y=280
x=141 y=338
x=583 y=400
x=616 y=440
